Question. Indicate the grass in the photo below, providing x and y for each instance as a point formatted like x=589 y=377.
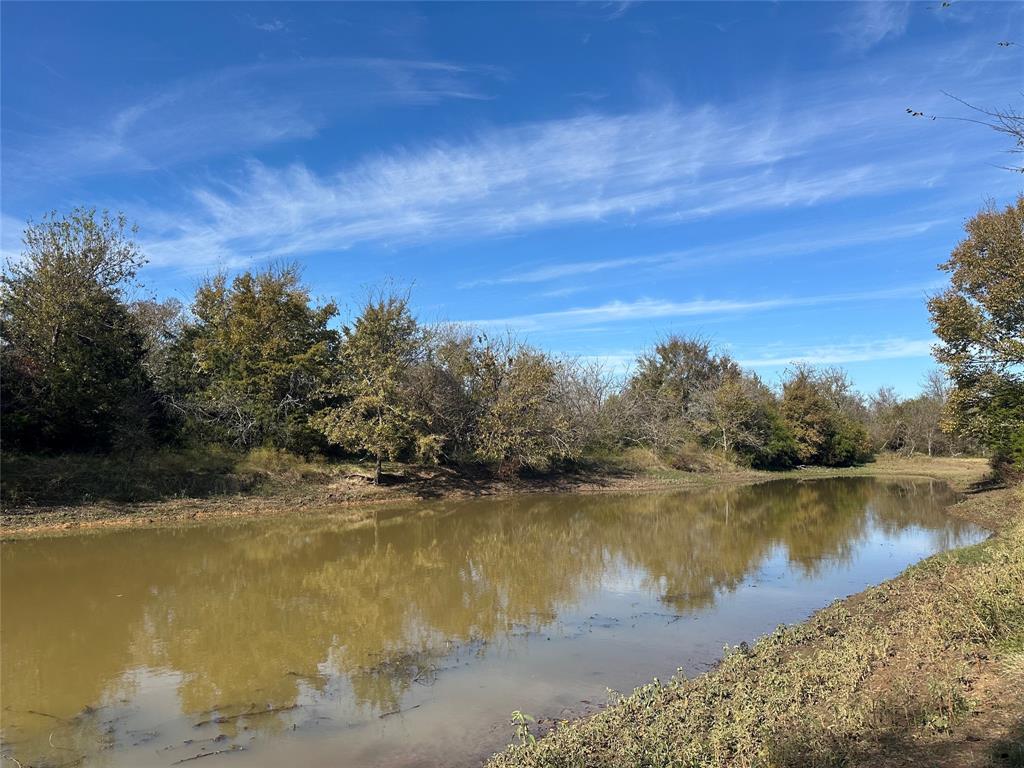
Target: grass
x=30 y=481
x=924 y=670
x=959 y=471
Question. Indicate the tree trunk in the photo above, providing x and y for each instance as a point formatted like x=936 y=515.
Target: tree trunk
x=377 y=472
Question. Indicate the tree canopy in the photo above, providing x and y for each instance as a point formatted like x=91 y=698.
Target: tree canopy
x=248 y=368
x=979 y=320
x=374 y=415
x=72 y=353
x=255 y=361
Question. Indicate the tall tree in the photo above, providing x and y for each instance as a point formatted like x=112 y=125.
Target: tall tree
x=442 y=395
x=375 y=413
x=520 y=424
x=669 y=382
x=680 y=367
x=816 y=406
x=249 y=367
x=72 y=352
x=161 y=324
x=741 y=418
x=979 y=319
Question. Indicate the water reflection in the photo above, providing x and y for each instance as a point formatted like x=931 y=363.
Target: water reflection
x=229 y=631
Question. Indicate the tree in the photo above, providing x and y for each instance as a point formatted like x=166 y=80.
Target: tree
x=817 y=406
x=250 y=366
x=741 y=418
x=378 y=354
x=1009 y=122
x=680 y=367
x=668 y=382
x=979 y=320
x=520 y=424
x=584 y=393
x=161 y=324
x=922 y=416
x=886 y=424
x=72 y=353
x=441 y=392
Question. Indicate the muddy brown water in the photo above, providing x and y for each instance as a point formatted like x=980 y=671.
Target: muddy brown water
x=408 y=639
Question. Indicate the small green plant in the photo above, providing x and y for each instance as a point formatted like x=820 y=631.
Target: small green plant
x=521 y=724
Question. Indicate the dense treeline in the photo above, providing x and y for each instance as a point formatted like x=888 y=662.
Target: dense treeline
x=255 y=361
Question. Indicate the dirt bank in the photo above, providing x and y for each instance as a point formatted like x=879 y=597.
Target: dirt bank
x=349 y=493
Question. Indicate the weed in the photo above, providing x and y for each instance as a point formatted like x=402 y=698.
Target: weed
x=520 y=722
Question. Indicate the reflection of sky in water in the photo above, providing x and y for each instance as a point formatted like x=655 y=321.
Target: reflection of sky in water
x=409 y=642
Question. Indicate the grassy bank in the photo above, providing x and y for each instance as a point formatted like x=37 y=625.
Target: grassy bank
x=42 y=493
x=927 y=669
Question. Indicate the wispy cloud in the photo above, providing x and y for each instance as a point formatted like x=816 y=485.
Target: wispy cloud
x=568 y=290
x=870 y=23
x=648 y=309
x=236 y=109
x=271 y=25
x=566 y=269
x=851 y=352
x=616 y=10
x=620 y=362
x=659 y=167
x=666 y=165
x=786 y=243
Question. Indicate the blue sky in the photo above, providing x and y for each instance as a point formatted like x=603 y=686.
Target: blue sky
x=591 y=176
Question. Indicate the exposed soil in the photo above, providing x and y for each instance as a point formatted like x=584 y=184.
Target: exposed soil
x=351 y=495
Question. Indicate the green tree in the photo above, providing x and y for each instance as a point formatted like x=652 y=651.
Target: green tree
x=250 y=366
x=442 y=395
x=375 y=413
x=741 y=418
x=671 y=383
x=979 y=320
x=816 y=406
x=161 y=324
x=72 y=353
x=679 y=368
x=520 y=424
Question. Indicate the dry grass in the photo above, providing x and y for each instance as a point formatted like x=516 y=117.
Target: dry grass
x=960 y=472
x=41 y=481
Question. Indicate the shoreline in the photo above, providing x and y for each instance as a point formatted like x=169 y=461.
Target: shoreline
x=352 y=498
x=926 y=668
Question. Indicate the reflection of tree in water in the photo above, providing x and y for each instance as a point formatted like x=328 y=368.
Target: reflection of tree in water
x=60 y=603
x=283 y=606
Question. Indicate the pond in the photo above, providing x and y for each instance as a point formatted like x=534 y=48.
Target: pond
x=409 y=638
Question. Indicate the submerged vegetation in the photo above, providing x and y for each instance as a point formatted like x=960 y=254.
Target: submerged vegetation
x=255 y=363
